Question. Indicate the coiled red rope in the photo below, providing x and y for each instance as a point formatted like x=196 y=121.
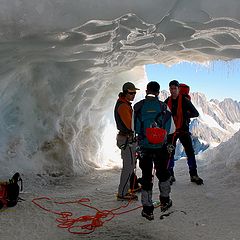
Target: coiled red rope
x=87 y=223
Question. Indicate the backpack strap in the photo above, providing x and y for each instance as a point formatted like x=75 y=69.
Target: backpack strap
x=163 y=108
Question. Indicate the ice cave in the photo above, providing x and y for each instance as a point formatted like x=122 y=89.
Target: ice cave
x=63 y=63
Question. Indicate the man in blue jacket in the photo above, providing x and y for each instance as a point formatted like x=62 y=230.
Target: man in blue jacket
x=152 y=123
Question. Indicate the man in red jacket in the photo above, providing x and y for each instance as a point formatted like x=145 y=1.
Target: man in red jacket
x=182 y=110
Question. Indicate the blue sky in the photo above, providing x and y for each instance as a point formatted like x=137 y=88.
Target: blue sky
x=217 y=80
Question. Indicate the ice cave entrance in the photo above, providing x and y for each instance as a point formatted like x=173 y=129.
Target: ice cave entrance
x=216 y=80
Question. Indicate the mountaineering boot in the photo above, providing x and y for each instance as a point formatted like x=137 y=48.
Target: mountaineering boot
x=196 y=179
x=172 y=177
x=147 y=212
x=127 y=197
x=165 y=206
x=166 y=203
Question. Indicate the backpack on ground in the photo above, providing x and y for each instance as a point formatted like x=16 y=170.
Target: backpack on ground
x=9 y=191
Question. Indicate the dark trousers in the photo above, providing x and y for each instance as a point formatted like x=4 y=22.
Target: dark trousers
x=159 y=157
x=186 y=141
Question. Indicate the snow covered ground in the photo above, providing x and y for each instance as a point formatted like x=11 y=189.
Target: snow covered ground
x=62 y=65
x=209 y=211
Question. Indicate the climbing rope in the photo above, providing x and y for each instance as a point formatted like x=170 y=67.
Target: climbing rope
x=87 y=223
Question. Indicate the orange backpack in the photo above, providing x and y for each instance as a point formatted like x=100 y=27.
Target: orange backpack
x=9 y=191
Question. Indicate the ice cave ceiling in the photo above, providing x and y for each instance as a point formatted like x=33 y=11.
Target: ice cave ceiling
x=60 y=58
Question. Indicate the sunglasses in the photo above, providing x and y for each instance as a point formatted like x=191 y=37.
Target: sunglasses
x=131 y=93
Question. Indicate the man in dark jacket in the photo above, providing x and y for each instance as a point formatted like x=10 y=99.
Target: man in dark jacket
x=182 y=110
x=152 y=115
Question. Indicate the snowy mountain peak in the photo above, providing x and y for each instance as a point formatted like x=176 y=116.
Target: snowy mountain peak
x=218 y=120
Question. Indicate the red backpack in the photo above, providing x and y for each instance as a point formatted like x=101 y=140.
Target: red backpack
x=184 y=89
x=156 y=135
x=9 y=191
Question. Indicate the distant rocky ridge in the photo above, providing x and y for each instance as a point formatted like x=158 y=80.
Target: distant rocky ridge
x=218 y=121
x=231 y=109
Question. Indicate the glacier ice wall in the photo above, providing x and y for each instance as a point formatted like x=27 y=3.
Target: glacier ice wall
x=63 y=64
